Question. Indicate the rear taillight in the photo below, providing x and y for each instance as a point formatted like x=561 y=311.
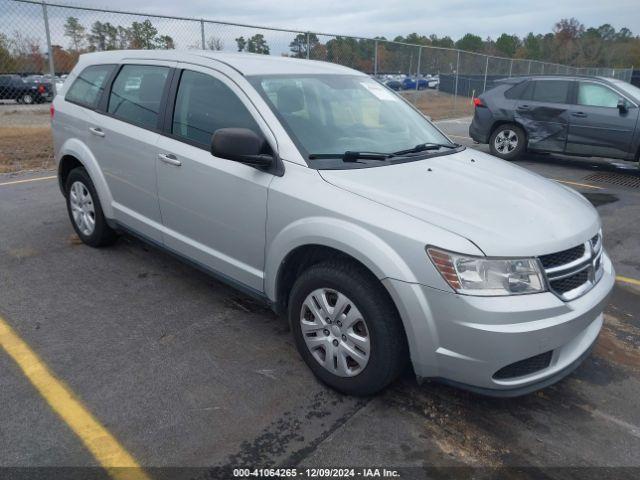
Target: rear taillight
x=41 y=88
x=478 y=102
x=52 y=111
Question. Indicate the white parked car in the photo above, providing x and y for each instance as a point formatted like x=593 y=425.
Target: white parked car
x=314 y=188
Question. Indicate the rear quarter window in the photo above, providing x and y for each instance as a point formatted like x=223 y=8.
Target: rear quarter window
x=88 y=87
x=516 y=92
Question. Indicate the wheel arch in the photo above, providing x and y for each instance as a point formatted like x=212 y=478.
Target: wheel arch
x=75 y=153
x=499 y=123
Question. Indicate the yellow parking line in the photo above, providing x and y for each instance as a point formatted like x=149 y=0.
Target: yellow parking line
x=631 y=281
x=14 y=182
x=579 y=184
x=102 y=445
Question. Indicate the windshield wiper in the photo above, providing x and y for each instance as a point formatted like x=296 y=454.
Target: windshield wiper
x=423 y=147
x=351 y=156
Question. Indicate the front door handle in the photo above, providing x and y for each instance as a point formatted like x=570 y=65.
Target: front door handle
x=96 y=131
x=523 y=108
x=170 y=159
x=579 y=114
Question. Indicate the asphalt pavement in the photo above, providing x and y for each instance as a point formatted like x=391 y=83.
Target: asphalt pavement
x=186 y=372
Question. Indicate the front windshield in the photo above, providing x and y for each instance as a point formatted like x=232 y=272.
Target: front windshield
x=333 y=114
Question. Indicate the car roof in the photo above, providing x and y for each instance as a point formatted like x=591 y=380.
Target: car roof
x=522 y=78
x=244 y=63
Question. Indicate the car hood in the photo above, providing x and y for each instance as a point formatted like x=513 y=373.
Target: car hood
x=505 y=210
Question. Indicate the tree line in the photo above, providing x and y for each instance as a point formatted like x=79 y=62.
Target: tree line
x=569 y=43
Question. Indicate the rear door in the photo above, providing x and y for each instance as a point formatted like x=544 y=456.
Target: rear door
x=124 y=135
x=543 y=110
x=596 y=126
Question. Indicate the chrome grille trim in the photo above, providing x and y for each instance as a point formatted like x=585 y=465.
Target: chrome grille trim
x=591 y=261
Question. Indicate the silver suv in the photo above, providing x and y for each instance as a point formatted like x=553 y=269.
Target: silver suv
x=318 y=190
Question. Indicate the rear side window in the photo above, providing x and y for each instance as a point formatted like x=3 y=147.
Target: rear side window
x=204 y=105
x=517 y=91
x=551 y=91
x=136 y=94
x=596 y=95
x=87 y=89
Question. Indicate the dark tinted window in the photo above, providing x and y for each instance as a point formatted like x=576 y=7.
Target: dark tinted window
x=136 y=94
x=88 y=87
x=205 y=104
x=517 y=91
x=551 y=91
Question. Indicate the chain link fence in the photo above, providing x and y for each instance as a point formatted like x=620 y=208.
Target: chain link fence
x=40 y=42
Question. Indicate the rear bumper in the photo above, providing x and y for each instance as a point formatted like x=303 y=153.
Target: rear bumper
x=465 y=340
x=480 y=128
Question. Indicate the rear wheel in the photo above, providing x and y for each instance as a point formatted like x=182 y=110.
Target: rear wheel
x=507 y=141
x=346 y=328
x=85 y=210
x=27 y=99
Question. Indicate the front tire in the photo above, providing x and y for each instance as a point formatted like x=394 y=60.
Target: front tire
x=346 y=328
x=507 y=141
x=85 y=211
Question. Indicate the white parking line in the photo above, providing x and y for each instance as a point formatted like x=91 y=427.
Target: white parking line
x=14 y=182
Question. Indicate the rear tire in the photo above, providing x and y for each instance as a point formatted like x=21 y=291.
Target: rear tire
x=507 y=141
x=359 y=347
x=85 y=211
x=27 y=99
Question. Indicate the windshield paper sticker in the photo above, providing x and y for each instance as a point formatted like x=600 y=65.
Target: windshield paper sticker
x=379 y=91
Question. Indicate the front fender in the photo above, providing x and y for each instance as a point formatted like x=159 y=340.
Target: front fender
x=354 y=240
x=79 y=150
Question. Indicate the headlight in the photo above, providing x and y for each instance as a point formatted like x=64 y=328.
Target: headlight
x=486 y=277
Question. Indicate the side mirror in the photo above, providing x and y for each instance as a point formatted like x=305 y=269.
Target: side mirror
x=241 y=145
x=622 y=106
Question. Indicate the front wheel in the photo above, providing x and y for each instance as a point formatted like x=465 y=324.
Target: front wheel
x=507 y=141
x=346 y=328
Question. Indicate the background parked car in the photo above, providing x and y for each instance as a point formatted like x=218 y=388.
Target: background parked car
x=586 y=116
x=13 y=87
x=394 y=84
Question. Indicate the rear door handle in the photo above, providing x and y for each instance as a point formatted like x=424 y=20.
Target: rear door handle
x=96 y=131
x=578 y=114
x=523 y=108
x=170 y=159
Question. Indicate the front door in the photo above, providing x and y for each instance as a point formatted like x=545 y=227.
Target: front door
x=214 y=210
x=597 y=127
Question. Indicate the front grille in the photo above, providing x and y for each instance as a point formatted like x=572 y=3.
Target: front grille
x=562 y=258
x=565 y=285
x=573 y=272
x=525 y=367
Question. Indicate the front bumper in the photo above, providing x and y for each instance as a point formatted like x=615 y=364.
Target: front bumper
x=465 y=340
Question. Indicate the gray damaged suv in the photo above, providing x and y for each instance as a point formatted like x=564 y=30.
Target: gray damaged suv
x=317 y=190
x=584 y=116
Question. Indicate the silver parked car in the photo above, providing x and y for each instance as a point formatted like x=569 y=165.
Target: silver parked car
x=316 y=189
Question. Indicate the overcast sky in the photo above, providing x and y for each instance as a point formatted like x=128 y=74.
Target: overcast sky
x=375 y=17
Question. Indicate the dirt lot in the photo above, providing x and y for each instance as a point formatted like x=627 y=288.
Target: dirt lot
x=25 y=137
x=439 y=105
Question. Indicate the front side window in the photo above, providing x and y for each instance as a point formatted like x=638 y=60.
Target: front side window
x=87 y=89
x=203 y=105
x=551 y=91
x=596 y=95
x=334 y=114
x=136 y=94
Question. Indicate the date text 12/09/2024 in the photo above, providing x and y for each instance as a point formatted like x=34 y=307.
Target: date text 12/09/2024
x=315 y=473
